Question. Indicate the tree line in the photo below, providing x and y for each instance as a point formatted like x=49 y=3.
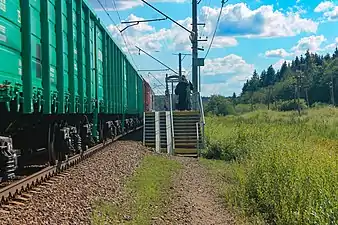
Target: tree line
x=312 y=78
x=304 y=82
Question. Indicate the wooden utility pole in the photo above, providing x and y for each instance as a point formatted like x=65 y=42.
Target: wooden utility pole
x=332 y=90
x=299 y=75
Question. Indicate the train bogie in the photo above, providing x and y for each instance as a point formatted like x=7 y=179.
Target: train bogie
x=64 y=82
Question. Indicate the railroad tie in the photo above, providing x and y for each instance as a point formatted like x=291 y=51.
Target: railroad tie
x=26 y=195
x=13 y=202
x=21 y=198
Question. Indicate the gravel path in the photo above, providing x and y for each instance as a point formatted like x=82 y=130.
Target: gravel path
x=68 y=200
x=195 y=200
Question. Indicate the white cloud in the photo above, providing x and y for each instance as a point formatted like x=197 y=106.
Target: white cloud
x=125 y=4
x=311 y=43
x=279 y=64
x=332 y=45
x=239 y=20
x=214 y=89
x=324 y=6
x=281 y=53
x=228 y=65
x=173 y=38
x=329 y=10
x=222 y=42
x=142 y=27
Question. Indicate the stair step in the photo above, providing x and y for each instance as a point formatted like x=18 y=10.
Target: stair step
x=185 y=151
x=184 y=137
x=187 y=155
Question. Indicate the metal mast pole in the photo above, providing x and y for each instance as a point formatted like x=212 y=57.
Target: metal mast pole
x=194 y=51
x=180 y=64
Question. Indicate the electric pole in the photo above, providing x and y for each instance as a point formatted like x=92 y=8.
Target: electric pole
x=194 y=41
x=180 y=62
x=299 y=75
x=332 y=91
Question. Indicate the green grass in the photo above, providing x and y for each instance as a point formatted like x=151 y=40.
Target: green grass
x=280 y=167
x=146 y=191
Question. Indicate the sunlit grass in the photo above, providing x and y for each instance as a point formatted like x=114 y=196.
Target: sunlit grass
x=280 y=166
x=147 y=191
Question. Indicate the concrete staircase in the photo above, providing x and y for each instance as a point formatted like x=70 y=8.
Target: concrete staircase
x=187 y=134
x=151 y=129
x=188 y=137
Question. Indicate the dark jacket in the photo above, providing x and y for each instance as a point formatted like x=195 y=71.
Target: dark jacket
x=183 y=90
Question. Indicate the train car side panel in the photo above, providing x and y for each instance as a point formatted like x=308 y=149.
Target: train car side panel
x=10 y=49
x=99 y=62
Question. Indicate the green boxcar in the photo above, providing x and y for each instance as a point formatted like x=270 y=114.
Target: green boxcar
x=10 y=50
x=63 y=60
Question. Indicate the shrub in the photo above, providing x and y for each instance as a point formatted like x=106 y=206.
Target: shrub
x=284 y=166
x=292 y=105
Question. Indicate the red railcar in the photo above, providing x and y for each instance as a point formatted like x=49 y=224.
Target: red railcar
x=148 y=96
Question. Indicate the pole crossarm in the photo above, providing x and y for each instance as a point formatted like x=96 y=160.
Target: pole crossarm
x=172 y=20
x=137 y=22
x=144 y=21
x=153 y=70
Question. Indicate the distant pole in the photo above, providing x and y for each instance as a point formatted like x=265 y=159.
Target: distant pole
x=298 y=76
x=180 y=65
x=167 y=97
x=332 y=91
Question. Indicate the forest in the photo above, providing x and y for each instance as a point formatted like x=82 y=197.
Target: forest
x=311 y=77
x=307 y=81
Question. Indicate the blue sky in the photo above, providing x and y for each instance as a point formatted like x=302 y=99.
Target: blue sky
x=252 y=34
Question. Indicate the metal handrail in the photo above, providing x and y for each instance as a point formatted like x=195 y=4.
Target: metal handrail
x=201 y=107
x=198 y=100
x=172 y=124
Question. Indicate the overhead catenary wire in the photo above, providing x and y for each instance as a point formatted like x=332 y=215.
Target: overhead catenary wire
x=156 y=60
x=159 y=11
x=160 y=83
x=213 y=36
x=118 y=28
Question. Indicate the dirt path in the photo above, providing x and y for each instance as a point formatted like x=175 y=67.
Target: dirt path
x=195 y=200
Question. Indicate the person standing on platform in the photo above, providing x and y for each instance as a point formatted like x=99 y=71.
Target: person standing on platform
x=183 y=90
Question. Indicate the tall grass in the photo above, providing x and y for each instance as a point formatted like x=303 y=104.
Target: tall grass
x=283 y=167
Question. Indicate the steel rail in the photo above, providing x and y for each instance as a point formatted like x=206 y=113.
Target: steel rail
x=9 y=192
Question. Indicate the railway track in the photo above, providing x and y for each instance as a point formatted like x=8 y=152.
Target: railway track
x=17 y=192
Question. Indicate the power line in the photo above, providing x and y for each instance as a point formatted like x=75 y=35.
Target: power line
x=167 y=16
x=213 y=36
x=117 y=28
x=156 y=59
x=161 y=84
x=106 y=12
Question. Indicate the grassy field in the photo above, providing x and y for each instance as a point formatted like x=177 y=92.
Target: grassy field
x=145 y=193
x=278 y=167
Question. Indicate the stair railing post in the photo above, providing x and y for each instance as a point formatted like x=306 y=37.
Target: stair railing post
x=172 y=125
x=157 y=132
x=168 y=132
x=144 y=128
x=197 y=139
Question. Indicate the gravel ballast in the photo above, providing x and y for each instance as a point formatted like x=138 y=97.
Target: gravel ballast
x=69 y=199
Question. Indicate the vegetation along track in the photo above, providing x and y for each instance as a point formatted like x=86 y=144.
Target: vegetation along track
x=16 y=192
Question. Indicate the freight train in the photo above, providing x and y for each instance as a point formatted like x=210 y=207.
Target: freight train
x=65 y=85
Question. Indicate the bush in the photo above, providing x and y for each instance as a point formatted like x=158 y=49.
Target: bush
x=292 y=105
x=319 y=105
x=284 y=166
x=219 y=105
